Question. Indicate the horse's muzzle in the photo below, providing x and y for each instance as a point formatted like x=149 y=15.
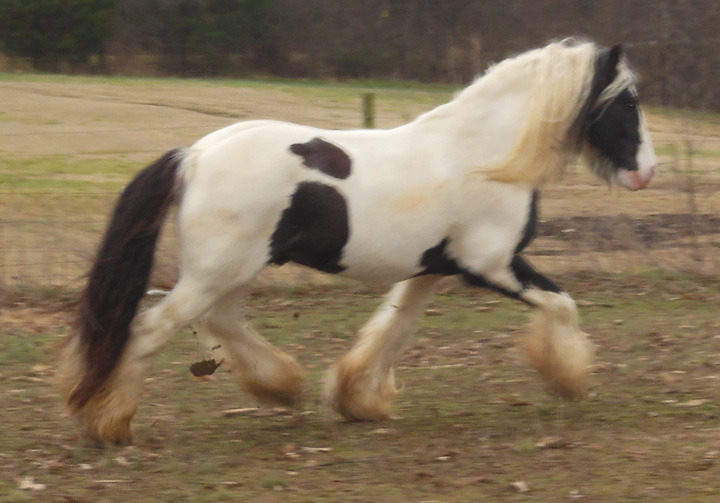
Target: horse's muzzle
x=636 y=179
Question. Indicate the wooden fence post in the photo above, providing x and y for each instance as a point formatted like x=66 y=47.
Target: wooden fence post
x=368 y=104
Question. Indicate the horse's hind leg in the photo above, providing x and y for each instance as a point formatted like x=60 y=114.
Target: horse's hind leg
x=361 y=386
x=107 y=416
x=265 y=371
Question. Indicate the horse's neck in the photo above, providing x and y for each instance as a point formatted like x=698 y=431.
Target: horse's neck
x=483 y=124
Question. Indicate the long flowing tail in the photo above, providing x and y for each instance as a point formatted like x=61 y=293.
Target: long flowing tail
x=119 y=277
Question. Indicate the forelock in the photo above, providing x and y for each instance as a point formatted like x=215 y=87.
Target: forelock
x=626 y=78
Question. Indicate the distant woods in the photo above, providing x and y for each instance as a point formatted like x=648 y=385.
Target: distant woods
x=674 y=44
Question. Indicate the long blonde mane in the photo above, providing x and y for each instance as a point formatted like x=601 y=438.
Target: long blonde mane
x=560 y=78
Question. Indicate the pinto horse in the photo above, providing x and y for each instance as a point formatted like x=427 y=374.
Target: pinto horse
x=454 y=192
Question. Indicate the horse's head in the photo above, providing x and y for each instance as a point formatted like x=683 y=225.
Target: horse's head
x=617 y=142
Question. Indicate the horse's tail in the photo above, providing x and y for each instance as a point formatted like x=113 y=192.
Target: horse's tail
x=119 y=277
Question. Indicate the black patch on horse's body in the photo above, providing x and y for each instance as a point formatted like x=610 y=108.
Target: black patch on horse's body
x=436 y=261
x=523 y=272
x=324 y=156
x=528 y=276
x=531 y=225
x=313 y=230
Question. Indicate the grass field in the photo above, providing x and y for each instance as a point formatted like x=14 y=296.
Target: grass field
x=474 y=422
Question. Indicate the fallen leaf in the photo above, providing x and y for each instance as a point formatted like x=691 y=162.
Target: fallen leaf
x=122 y=461
x=313 y=450
x=521 y=486
x=553 y=442
x=447 y=456
x=515 y=401
x=40 y=369
x=255 y=412
x=692 y=403
x=29 y=484
x=205 y=367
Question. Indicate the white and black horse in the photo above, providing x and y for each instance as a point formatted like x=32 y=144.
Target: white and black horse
x=452 y=193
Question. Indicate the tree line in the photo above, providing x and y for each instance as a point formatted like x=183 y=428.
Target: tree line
x=673 y=43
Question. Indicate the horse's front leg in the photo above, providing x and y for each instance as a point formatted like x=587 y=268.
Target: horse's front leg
x=555 y=345
x=361 y=386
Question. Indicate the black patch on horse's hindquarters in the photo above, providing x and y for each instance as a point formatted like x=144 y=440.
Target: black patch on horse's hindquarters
x=436 y=261
x=531 y=225
x=323 y=156
x=313 y=230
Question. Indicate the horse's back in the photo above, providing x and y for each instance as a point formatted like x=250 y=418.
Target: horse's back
x=235 y=131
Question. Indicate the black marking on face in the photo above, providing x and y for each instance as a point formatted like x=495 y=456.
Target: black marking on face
x=324 y=156
x=605 y=72
x=435 y=260
x=615 y=131
x=610 y=130
x=313 y=230
x=531 y=225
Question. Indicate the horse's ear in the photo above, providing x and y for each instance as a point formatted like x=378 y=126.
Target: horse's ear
x=614 y=56
x=608 y=65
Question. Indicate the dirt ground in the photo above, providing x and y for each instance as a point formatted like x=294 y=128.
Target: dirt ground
x=474 y=423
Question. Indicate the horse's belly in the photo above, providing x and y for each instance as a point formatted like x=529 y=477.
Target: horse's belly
x=388 y=259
